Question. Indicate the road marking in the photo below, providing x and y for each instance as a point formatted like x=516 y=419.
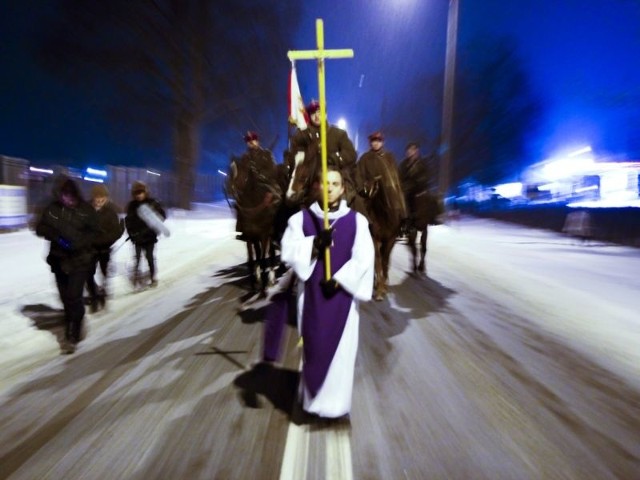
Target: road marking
x=296 y=453
x=338 y=455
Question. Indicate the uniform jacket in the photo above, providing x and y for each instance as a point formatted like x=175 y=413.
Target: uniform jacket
x=414 y=176
x=340 y=150
x=137 y=229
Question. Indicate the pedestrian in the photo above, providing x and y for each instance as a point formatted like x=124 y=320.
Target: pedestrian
x=111 y=229
x=71 y=226
x=328 y=310
x=260 y=162
x=340 y=150
x=142 y=235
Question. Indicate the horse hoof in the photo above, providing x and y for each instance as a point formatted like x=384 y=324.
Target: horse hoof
x=378 y=297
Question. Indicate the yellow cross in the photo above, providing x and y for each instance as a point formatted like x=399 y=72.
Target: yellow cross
x=320 y=54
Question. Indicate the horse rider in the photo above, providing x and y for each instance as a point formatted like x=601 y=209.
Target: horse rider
x=263 y=166
x=415 y=179
x=340 y=150
x=379 y=165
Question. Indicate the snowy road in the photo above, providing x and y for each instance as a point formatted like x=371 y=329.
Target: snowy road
x=516 y=358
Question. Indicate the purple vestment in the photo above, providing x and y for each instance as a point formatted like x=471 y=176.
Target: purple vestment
x=323 y=320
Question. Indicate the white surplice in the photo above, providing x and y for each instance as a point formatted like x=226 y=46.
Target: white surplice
x=356 y=277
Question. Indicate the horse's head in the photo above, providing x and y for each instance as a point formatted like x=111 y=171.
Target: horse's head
x=303 y=178
x=371 y=187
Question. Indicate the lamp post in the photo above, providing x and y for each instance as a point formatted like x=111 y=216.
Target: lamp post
x=447 y=103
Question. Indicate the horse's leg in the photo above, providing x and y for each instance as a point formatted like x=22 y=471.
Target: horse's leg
x=387 y=247
x=251 y=264
x=264 y=265
x=411 y=240
x=378 y=289
x=423 y=249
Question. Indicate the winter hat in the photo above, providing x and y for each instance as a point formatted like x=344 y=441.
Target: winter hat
x=250 y=136
x=313 y=107
x=65 y=185
x=376 y=136
x=138 y=187
x=99 y=190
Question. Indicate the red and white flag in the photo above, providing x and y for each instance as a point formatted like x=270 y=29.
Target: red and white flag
x=297 y=112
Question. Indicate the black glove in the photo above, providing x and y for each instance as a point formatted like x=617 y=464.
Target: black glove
x=329 y=287
x=64 y=243
x=323 y=239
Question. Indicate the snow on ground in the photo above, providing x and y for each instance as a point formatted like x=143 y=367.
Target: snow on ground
x=28 y=287
x=587 y=295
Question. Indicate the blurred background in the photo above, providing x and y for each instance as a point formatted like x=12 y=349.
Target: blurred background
x=543 y=96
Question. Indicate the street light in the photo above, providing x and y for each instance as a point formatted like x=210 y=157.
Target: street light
x=447 y=103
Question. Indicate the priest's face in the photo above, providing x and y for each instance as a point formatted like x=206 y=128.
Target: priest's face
x=335 y=188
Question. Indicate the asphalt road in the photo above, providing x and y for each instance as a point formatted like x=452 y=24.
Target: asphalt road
x=457 y=377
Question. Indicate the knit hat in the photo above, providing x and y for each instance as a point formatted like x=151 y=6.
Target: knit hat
x=99 y=190
x=313 y=107
x=138 y=187
x=250 y=136
x=376 y=136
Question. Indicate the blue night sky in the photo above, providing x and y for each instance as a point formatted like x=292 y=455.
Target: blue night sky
x=581 y=56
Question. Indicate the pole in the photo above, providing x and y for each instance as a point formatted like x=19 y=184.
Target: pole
x=447 y=104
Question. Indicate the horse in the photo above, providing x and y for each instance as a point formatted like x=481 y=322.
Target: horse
x=424 y=209
x=256 y=200
x=302 y=187
x=381 y=200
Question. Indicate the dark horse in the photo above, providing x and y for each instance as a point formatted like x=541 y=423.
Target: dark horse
x=256 y=200
x=382 y=201
x=424 y=209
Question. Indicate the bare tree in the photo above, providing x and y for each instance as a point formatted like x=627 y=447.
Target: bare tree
x=495 y=112
x=177 y=66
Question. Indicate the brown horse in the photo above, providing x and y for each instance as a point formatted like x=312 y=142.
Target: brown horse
x=382 y=201
x=424 y=209
x=256 y=201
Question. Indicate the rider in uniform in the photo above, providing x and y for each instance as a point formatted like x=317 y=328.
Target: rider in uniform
x=340 y=150
x=415 y=179
x=378 y=164
x=263 y=165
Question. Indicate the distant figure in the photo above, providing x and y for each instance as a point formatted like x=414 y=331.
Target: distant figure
x=71 y=225
x=579 y=225
x=328 y=310
x=111 y=229
x=142 y=234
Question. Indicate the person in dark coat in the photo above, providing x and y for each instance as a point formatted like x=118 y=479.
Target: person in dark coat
x=111 y=229
x=71 y=225
x=144 y=237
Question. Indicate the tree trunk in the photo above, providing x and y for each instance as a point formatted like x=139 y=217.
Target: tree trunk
x=186 y=150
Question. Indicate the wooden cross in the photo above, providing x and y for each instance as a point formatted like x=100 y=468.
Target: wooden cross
x=320 y=54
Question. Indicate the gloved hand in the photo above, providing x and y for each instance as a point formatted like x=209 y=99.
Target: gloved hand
x=323 y=239
x=329 y=287
x=64 y=243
